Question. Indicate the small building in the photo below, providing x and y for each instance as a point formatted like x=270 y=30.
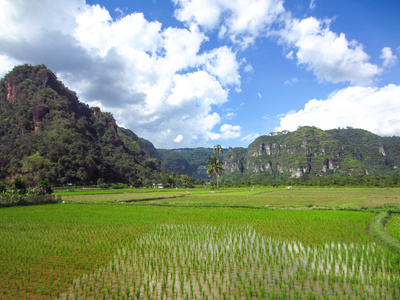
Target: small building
x=159 y=185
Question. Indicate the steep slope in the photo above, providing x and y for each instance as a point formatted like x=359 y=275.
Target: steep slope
x=187 y=161
x=310 y=150
x=45 y=132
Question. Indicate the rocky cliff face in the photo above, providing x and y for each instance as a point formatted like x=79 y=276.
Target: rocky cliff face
x=233 y=160
x=310 y=150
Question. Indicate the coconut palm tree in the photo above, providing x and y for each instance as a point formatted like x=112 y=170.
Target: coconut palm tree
x=214 y=167
x=218 y=149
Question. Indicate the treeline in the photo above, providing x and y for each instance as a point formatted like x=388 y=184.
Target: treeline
x=318 y=181
x=18 y=194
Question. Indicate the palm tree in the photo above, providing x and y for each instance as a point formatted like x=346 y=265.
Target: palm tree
x=218 y=149
x=214 y=166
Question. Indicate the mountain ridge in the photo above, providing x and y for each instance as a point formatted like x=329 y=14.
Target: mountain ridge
x=310 y=150
x=46 y=132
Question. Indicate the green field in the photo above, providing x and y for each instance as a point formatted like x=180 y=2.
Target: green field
x=203 y=244
x=331 y=198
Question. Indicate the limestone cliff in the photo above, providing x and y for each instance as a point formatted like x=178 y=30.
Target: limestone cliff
x=310 y=150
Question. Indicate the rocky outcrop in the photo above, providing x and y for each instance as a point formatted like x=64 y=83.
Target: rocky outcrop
x=310 y=150
x=11 y=91
x=233 y=160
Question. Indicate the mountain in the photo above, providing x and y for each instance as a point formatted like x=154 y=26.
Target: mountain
x=187 y=161
x=46 y=132
x=310 y=150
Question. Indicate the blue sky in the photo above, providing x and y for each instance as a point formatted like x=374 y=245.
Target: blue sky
x=189 y=73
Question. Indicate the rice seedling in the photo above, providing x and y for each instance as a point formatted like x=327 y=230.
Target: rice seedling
x=124 y=251
x=274 y=267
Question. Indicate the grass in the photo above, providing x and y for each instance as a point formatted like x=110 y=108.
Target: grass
x=93 y=246
x=378 y=230
x=331 y=198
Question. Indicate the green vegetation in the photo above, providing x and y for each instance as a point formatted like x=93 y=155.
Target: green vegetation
x=378 y=230
x=308 y=151
x=244 y=242
x=214 y=167
x=46 y=133
x=186 y=161
x=272 y=237
x=18 y=194
x=393 y=226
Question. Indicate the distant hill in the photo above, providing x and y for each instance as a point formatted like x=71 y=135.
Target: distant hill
x=187 y=161
x=46 y=132
x=308 y=150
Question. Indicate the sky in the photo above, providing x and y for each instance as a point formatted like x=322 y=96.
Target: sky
x=197 y=73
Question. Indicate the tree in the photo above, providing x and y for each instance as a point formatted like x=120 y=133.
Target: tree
x=218 y=149
x=19 y=185
x=214 y=167
x=44 y=187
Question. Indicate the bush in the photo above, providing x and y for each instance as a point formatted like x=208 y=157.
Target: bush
x=44 y=187
x=3 y=187
x=24 y=200
x=19 y=185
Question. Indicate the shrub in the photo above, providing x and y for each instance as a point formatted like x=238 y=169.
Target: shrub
x=19 y=185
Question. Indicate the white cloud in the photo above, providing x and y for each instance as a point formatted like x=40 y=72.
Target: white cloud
x=198 y=88
x=259 y=95
x=205 y=12
x=230 y=116
x=19 y=19
x=149 y=77
x=291 y=81
x=389 y=59
x=98 y=33
x=248 y=68
x=178 y=139
x=250 y=137
x=7 y=64
x=226 y=132
x=374 y=109
x=241 y=21
x=312 y=4
x=330 y=56
x=222 y=63
x=290 y=55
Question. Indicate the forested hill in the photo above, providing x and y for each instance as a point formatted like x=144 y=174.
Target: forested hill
x=187 y=161
x=306 y=151
x=310 y=150
x=46 y=132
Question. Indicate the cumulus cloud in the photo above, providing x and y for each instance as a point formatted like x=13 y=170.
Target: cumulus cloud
x=241 y=21
x=178 y=139
x=7 y=64
x=330 y=56
x=165 y=83
x=222 y=63
x=156 y=81
x=227 y=131
x=373 y=109
x=389 y=59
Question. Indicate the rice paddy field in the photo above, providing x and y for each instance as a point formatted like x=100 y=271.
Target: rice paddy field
x=201 y=244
